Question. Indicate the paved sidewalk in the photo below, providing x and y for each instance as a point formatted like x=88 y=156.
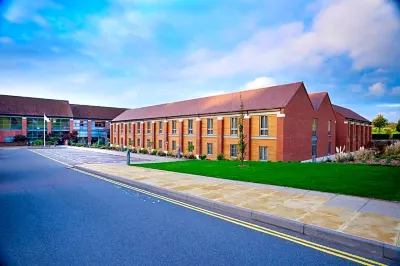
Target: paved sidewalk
x=367 y=218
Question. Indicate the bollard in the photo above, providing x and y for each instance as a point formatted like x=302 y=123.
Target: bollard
x=128 y=157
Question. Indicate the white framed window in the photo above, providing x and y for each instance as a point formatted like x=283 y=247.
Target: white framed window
x=233 y=150
x=329 y=128
x=160 y=144
x=130 y=128
x=190 y=126
x=329 y=148
x=263 y=151
x=173 y=126
x=210 y=126
x=174 y=145
x=314 y=126
x=148 y=143
x=209 y=148
x=122 y=128
x=148 y=127
x=234 y=126
x=138 y=142
x=138 y=128
x=263 y=125
x=160 y=127
x=190 y=145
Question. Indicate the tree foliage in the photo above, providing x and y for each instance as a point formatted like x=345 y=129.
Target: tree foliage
x=20 y=138
x=398 y=126
x=379 y=122
x=242 y=137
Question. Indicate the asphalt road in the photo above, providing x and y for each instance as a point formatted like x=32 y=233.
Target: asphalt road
x=53 y=215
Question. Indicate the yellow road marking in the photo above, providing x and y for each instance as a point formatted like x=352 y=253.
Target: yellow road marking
x=319 y=247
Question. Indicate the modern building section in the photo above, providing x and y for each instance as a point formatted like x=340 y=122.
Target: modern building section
x=24 y=115
x=282 y=123
x=353 y=130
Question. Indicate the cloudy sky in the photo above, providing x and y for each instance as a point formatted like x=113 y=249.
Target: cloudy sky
x=132 y=53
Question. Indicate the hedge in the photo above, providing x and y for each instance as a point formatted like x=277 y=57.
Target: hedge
x=396 y=136
x=380 y=136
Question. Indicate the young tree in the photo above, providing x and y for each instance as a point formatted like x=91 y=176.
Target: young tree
x=398 y=126
x=242 y=137
x=379 y=122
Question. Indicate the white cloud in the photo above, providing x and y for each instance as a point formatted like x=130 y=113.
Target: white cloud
x=355 y=88
x=260 y=82
x=377 y=89
x=366 y=30
x=210 y=93
x=395 y=91
x=21 y=11
x=390 y=105
x=6 y=40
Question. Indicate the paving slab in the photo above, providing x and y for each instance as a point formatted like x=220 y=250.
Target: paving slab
x=350 y=202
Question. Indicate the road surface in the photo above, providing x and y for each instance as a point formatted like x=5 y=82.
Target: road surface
x=53 y=215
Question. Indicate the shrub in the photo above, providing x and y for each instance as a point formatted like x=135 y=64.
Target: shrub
x=392 y=150
x=380 y=136
x=50 y=142
x=363 y=154
x=350 y=157
x=380 y=147
x=20 y=138
x=153 y=152
x=169 y=154
x=134 y=150
x=38 y=142
x=220 y=157
x=396 y=136
x=203 y=156
x=145 y=151
x=340 y=155
x=191 y=156
x=161 y=153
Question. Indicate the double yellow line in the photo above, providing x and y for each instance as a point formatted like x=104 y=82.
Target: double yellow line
x=322 y=248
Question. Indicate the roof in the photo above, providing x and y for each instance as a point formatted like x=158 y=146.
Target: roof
x=95 y=112
x=317 y=99
x=27 y=106
x=349 y=114
x=274 y=97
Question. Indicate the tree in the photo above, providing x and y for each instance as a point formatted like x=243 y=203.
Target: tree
x=20 y=138
x=379 y=122
x=242 y=137
x=72 y=136
x=398 y=126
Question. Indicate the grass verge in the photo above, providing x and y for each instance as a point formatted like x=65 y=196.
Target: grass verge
x=380 y=182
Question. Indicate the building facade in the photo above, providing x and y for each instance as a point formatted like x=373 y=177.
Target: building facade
x=24 y=116
x=282 y=123
x=353 y=130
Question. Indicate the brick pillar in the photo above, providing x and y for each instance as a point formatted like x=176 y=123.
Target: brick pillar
x=351 y=137
x=49 y=127
x=165 y=133
x=112 y=134
x=247 y=132
x=153 y=134
x=118 y=134
x=89 y=131
x=357 y=137
x=366 y=133
x=24 y=127
x=71 y=125
x=143 y=136
x=133 y=134
x=280 y=137
x=180 y=134
x=198 y=136
x=369 y=133
x=220 y=135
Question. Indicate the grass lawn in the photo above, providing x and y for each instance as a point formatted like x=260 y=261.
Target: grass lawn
x=381 y=182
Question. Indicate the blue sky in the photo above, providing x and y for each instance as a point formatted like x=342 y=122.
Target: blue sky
x=131 y=53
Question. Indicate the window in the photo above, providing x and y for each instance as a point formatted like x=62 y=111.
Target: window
x=160 y=144
x=173 y=126
x=173 y=145
x=329 y=128
x=234 y=126
x=314 y=126
x=138 y=128
x=263 y=150
x=130 y=128
x=115 y=140
x=233 y=149
x=115 y=128
x=129 y=141
x=329 y=148
x=138 y=142
x=263 y=125
x=209 y=148
x=148 y=128
x=209 y=126
x=160 y=126
x=99 y=123
x=148 y=143
x=190 y=126
x=122 y=128
x=122 y=142
x=314 y=148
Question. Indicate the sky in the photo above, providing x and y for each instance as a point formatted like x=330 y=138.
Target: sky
x=133 y=53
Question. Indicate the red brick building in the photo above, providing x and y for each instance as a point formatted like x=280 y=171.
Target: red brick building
x=24 y=115
x=282 y=123
x=353 y=130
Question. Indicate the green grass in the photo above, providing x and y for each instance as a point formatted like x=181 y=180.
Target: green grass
x=381 y=182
